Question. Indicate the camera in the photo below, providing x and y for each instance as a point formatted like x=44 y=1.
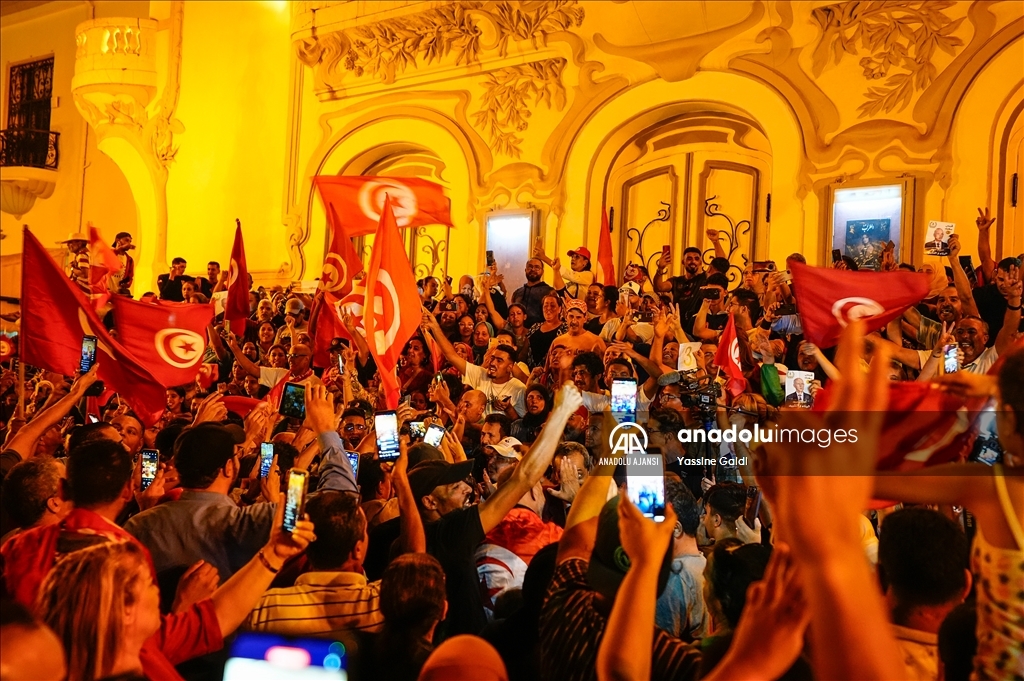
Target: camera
x=702 y=397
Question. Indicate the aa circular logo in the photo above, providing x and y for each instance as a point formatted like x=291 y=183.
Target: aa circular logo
x=335 y=276
x=403 y=200
x=848 y=310
x=629 y=439
x=180 y=348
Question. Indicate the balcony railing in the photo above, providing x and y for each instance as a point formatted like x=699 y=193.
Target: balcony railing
x=32 y=148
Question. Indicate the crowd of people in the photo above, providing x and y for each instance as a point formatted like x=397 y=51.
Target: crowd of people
x=510 y=549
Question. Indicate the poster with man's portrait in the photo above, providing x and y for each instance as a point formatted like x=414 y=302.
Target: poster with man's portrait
x=865 y=240
x=937 y=236
x=798 y=389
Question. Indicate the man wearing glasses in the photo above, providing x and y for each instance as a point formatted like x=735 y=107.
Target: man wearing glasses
x=353 y=427
x=300 y=366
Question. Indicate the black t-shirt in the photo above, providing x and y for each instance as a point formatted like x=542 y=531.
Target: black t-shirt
x=540 y=343
x=992 y=308
x=453 y=540
x=594 y=325
x=530 y=297
x=170 y=289
x=684 y=292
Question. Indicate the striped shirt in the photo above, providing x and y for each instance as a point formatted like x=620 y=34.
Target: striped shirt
x=320 y=603
x=571 y=628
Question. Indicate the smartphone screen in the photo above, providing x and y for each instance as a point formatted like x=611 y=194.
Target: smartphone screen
x=284 y=658
x=341 y=364
x=837 y=255
x=386 y=423
x=91 y=419
x=150 y=461
x=353 y=460
x=266 y=458
x=624 y=398
x=950 y=361
x=490 y=258
x=295 y=498
x=88 y=353
x=434 y=435
x=293 y=401
x=417 y=429
x=647 y=489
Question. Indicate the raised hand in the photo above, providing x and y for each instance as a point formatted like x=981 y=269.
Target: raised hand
x=569 y=481
x=985 y=220
x=197 y=584
x=568 y=398
x=211 y=409
x=953 y=245
x=319 y=409
x=712 y=235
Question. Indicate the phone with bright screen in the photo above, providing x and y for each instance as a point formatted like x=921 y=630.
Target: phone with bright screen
x=646 y=485
x=295 y=498
x=266 y=458
x=293 y=401
x=624 y=398
x=88 y=353
x=271 y=656
x=434 y=435
x=417 y=429
x=353 y=460
x=150 y=461
x=950 y=359
x=386 y=424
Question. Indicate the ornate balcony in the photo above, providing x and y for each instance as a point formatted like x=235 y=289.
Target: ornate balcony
x=28 y=168
x=31 y=148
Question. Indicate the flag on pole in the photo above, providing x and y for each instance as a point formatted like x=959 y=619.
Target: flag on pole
x=236 y=307
x=168 y=338
x=828 y=299
x=56 y=315
x=391 y=312
x=103 y=263
x=728 y=359
x=605 y=261
x=340 y=290
x=360 y=201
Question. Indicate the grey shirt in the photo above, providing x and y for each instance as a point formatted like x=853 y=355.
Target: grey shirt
x=680 y=610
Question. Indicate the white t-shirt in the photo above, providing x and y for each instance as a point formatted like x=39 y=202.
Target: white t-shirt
x=514 y=389
x=983 y=362
x=643 y=330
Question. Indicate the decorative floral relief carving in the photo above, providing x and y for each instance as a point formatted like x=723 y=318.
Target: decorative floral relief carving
x=508 y=95
x=902 y=36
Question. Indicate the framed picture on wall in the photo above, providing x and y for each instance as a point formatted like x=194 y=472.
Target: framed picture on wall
x=865 y=215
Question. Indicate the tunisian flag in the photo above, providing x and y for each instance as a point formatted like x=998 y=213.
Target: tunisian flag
x=168 y=338
x=359 y=201
x=236 y=307
x=102 y=263
x=56 y=315
x=605 y=261
x=728 y=359
x=828 y=299
x=391 y=313
x=340 y=291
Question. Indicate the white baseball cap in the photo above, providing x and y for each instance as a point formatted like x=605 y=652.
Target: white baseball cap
x=507 y=447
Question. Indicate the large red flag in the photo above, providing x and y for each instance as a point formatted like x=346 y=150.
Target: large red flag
x=168 y=338
x=341 y=264
x=236 y=307
x=827 y=299
x=359 y=201
x=728 y=359
x=56 y=315
x=391 y=313
x=605 y=261
x=102 y=263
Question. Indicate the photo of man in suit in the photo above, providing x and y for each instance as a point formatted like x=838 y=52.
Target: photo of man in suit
x=937 y=246
x=799 y=396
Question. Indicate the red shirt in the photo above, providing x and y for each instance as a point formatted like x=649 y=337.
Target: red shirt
x=182 y=636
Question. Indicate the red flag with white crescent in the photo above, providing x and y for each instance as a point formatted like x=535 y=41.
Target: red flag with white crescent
x=341 y=264
x=359 y=201
x=728 y=359
x=605 y=261
x=7 y=347
x=828 y=299
x=56 y=315
x=236 y=307
x=168 y=338
x=391 y=313
x=103 y=262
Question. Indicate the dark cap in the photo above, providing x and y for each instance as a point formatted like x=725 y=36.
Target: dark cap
x=608 y=561
x=431 y=474
x=207 y=447
x=421 y=451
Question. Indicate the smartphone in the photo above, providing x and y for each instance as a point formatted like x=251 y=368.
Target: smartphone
x=341 y=365
x=293 y=401
x=837 y=255
x=417 y=429
x=88 y=353
x=968 y=267
x=285 y=658
x=353 y=460
x=753 y=506
x=710 y=293
x=266 y=458
x=150 y=461
x=764 y=266
x=449 y=280
x=666 y=252
x=624 y=398
x=91 y=419
x=646 y=486
x=950 y=360
x=786 y=309
x=434 y=435
x=386 y=424
x=644 y=317
x=490 y=258
x=295 y=498
x=405 y=401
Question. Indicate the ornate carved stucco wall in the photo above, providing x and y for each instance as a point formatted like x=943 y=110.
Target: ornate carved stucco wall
x=569 y=105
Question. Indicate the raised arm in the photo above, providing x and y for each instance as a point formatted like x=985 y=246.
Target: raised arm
x=412 y=538
x=714 y=237
x=430 y=325
x=1011 y=320
x=24 y=442
x=963 y=286
x=243 y=361
x=499 y=321
x=531 y=468
x=335 y=470
x=660 y=282
x=984 y=222
x=700 y=323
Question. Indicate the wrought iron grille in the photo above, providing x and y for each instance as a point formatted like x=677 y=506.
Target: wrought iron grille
x=29 y=94
x=34 y=148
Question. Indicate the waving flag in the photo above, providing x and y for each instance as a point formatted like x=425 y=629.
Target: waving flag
x=605 y=261
x=103 y=262
x=728 y=359
x=56 y=315
x=236 y=307
x=168 y=338
x=340 y=290
x=828 y=299
x=391 y=313
x=359 y=201
x=341 y=264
